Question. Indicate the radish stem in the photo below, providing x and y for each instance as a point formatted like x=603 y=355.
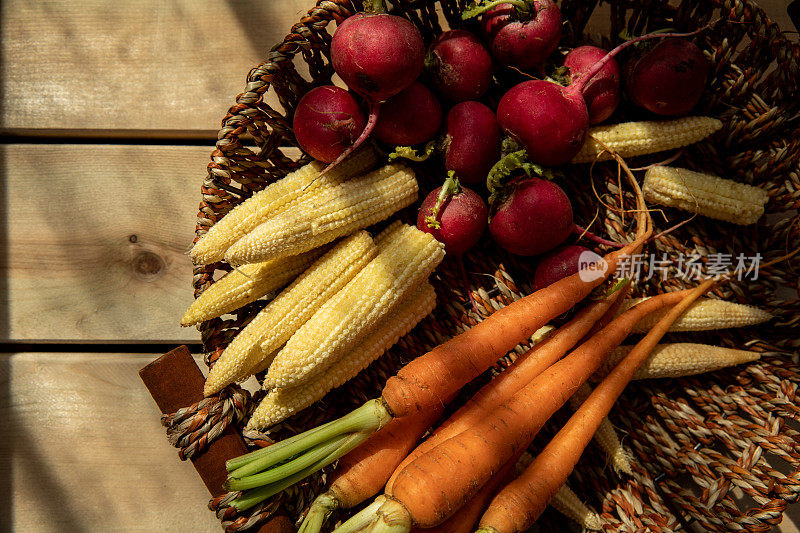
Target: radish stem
x=450 y=187
x=583 y=232
x=374 y=109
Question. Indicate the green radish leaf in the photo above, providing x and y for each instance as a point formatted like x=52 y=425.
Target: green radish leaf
x=509 y=167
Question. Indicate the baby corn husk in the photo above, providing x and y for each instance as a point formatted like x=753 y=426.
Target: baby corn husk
x=566 y=502
x=705 y=194
x=280 y=404
x=407 y=260
x=630 y=139
x=246 y=284
x=703 y=315
x=246 y=216
x=605 y=436
x=680 y=359
x=328 y=214
x=284 y=315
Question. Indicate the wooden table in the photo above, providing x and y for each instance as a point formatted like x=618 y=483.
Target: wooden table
x=110 y=111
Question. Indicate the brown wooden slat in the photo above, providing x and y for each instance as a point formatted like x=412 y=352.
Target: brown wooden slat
x=147 y=65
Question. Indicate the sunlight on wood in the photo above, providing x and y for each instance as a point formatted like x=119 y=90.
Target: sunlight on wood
x=87 y=451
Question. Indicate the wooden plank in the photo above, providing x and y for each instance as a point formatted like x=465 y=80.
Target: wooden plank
x=82 y=449
x=96 y=237
x=172 y=65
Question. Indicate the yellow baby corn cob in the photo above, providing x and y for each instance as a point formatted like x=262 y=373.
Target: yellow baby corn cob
x=630 y=139
x=705 y=194
x=566 y=502
x=329 y=214
x=246 y=284
x=280 y=404
x=403 y=264
x=246 y=216
x=271 y=347
x=680 y=359
x=703 y=315
x=276 y=323
x=606 y=435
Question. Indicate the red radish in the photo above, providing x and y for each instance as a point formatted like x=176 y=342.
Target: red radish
x=602 y=92
x=669 y=79
x=472 y=142
x=535 y=218
x=558 y=264
x=551 y=121
x=522 y=33
x=455 y=215
x=377 y=55
x=412 y=116
x=327 y=121
x=460 y=65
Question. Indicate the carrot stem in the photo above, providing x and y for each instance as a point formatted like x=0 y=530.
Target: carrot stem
x=391 y=517
x=253 y=497
x=318 y=513
x=362 y=519
x=302 y=462
x=358 y=424
x=238 y=462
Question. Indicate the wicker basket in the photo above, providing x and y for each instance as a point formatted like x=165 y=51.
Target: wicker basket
x=707 y=449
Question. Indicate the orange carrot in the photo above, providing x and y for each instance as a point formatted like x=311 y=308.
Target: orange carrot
x=521 y=502
x=423 y=384
x=464 y=521
x=434 y=486
x=522 y=371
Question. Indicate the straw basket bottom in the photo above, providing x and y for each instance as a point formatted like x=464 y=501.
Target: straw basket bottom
x=719 y=452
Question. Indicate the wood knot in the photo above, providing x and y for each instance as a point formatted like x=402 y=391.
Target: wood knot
x=147 y=265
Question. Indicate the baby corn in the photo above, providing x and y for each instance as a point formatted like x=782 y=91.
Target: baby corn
x=703 y=315
x=405 y=262
x=323 y=217
x=280 y=404
x=246 y=284
x=630 y=139
x=605 y=436
x=566 y=502
x=246 y=216
x=680 y=359
x=705 y=194
x=284 y=315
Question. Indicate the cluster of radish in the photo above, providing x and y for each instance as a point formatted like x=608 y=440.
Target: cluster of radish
x=400 y=92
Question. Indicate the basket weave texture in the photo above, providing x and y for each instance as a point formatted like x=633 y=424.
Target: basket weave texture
x=707 y=449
